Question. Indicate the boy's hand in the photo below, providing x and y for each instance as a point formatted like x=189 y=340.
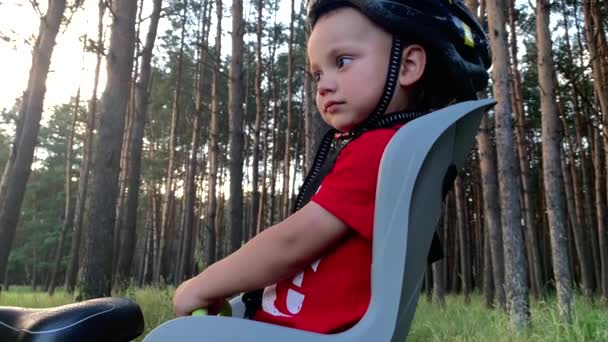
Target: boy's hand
x=190 y=296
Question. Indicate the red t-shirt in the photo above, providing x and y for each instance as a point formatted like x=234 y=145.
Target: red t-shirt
x=333 y=293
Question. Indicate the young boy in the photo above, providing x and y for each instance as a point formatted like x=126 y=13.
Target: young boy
x=315 y=265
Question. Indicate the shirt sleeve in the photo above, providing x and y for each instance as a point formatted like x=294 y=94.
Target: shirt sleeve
x=349 y=190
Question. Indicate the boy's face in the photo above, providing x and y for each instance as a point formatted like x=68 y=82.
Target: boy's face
x=349 y=57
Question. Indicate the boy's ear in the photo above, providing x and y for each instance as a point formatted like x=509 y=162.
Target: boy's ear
x=413 y=64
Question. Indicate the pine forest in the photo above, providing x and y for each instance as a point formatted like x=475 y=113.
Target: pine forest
x=201 y=125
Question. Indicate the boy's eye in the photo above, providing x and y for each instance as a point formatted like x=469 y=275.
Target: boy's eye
x=343 y=61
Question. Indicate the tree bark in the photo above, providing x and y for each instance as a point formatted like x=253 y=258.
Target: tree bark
x=68 y=218
x=524 y=166
x=584 y=196
x=17 y=171
x=464 y=240
x=259 y=110
x=491 y=209
x=600 y=205
x=122 y=177
x=211 y=229
x=487 y=165
x=551 y=161
x=488 y=279
x=439 y=266
x=142 y=93
x=567 y=179
x=261 y=215
x=566 y=175
x=296 y=157
x=188 y=213
x=275 y=134
x=85 y=164
x=222 y=242
x=598 y=55
x=235 y=112
x=287 y=163
x=455 y=268
x=580 y=227
x=517 y=282
x=308 y=119
x=97 y=261
x=162 y=272
x=596 y=39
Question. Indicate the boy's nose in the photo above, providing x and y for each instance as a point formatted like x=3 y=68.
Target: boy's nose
x=326 y=85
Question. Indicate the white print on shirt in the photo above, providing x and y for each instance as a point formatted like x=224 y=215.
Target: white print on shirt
x=295 y=299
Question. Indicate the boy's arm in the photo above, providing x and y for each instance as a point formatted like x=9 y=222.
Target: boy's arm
x=276 y=253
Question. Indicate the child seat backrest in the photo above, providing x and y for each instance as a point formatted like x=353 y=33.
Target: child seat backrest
x=408 y=206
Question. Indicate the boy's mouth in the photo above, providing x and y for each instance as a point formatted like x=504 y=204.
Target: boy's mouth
x=332 y=106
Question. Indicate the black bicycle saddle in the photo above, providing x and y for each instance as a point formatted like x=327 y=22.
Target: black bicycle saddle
x=103 y=319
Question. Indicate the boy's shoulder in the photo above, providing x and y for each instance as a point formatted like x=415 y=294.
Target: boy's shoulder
x=376 y=138
x=369 y=147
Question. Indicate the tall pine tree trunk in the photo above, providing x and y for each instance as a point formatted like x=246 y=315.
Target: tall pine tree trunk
x=274 y=154
x=598 y=51
x=524 y=166
x=464 y=240
x=488 y=279
x=68 y=218
x=259 y=110
x=235 y=103
x=600 y=205
x=585 y=169
x=261 y=215
x=210 y=242
x=85 y=164
x=97 y=261
x=163 y=259
x=598 y=55
x=142 y=92
x=188 y=213
x=438 y=268
x=551 y=161
x=308 y=115
x=287 y=162
x=580 y=227
x=491 y=208
x=516 y=277
x=18 y=168
x=122 y=177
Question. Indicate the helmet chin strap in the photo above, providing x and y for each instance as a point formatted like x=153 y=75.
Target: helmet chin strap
x=392 y=77
x=390 y=85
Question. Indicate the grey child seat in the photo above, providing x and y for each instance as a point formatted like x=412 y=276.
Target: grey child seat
x=408 y=206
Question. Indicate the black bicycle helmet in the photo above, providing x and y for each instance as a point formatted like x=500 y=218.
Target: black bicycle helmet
x=446 y=27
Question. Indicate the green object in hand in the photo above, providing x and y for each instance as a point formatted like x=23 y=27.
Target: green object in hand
x=226 y=311
x=199 y=312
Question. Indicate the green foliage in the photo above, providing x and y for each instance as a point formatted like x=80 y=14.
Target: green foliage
x=5 y=146
x=8 y=120
x=43 y=206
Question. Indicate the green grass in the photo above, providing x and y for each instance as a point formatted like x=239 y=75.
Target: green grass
x=455 y=322
x=474 y=322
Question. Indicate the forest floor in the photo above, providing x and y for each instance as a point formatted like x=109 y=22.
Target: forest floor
x=455 y=322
